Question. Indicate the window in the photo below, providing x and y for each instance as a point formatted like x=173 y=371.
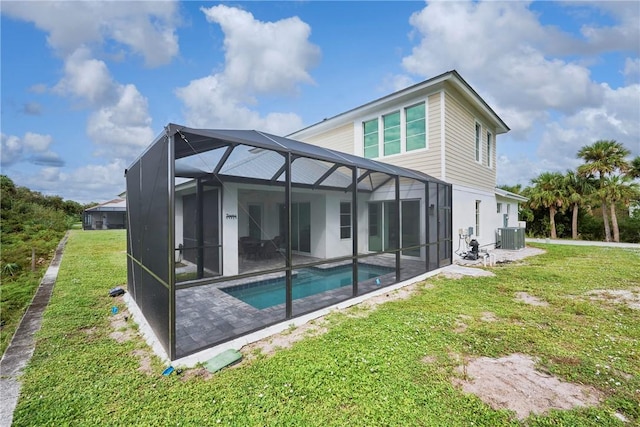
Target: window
x=489 y=138
x=370 y=129
x=391 y=124
x=397 y=132
x=415 y=127
x=477 y=233
x=508 y=209
x=499 y=207
x=478 y=147
x=345 y=220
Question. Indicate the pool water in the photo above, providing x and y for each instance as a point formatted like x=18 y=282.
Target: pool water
x=308 y=281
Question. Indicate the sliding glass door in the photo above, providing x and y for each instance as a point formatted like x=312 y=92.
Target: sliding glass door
x=384 y=228
x=300 y=226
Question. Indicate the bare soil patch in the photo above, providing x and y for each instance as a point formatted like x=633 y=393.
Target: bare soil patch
x=488 y=316
x=145 y=361
x=629 y=297
x=285 y=339
x=513 y=383
x=122 y=331
x=530 y=299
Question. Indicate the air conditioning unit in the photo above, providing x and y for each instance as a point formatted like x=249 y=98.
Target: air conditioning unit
x=510 y=238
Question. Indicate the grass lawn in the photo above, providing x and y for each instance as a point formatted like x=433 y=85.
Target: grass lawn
x=367 y=369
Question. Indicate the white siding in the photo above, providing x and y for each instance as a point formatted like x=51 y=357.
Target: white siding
x=461 y=164
x=339 y=139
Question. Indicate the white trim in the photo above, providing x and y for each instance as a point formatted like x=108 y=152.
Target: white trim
x=477 y=141
x=443 y=164
x=489 y=146
x=402 y=110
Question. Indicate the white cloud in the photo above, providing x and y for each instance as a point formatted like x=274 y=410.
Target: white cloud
x=10 y=149
x=526 y=72
x=122 y=129
x=120 y=124
x=147 y=28
x=32 y=148
x=260 y=58
x=266 y=57
x=86 y=77
x=93 y=182
x=37 y=142
x=616 y=119
x=516 y=69
x=394 y=83
x=631 y=70
x=625 y=35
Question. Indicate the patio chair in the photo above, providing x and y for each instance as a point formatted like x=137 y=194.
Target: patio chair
x=269 y=249
x=249 y=246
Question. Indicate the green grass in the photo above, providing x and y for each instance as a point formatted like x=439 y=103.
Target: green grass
x=364 y=370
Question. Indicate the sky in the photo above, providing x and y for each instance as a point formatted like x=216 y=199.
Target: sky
x=86 y=86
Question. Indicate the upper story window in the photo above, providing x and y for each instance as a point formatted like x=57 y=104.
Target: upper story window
x=478 y=142
x=489 y=144
x=416 y=129
x=391 y=124
x=396 y=132
x=370 y=130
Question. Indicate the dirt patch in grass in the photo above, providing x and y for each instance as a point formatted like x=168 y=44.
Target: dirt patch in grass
x=285 y=339
x=145 y=361
x=530 y=299
x=121 y=327
x=488 y=316
x=513 y=383
x=629 y=297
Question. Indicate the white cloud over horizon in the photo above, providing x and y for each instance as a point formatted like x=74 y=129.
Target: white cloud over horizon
x=260 y=58
x=561 y=103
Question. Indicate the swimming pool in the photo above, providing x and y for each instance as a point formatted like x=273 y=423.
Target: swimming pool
x=308 y=281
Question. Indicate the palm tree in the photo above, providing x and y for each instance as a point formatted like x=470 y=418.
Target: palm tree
x=634 y=168
x=547 y=191
x=618 y=188
x=602 y=159
x=578 y=191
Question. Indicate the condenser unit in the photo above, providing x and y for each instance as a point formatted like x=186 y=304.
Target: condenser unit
x=510 y=238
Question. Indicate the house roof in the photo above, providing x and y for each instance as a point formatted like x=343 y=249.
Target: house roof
x=453 y=77
x=509 y=195
x=111 y=205
x=250 y=154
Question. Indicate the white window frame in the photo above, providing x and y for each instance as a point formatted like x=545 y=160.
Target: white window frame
x=477 y=230
x=489 y=149
x=499 y=208
x=340 y=215
x=477 y=138
x=402 y=109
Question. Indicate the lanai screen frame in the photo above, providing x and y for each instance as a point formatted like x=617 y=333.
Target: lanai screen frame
x=151 y=187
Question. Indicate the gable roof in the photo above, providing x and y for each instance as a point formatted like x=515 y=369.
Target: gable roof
x=111 y=205
x=452 y=77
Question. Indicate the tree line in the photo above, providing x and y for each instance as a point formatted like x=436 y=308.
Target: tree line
x=593 y=196
x=31 y=227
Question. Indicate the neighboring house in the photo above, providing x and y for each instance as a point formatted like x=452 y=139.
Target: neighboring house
x=107 y=215
x=440 y=127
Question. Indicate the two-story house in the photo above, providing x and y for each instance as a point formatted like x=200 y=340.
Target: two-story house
x=232 y=231
x=440 y=127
